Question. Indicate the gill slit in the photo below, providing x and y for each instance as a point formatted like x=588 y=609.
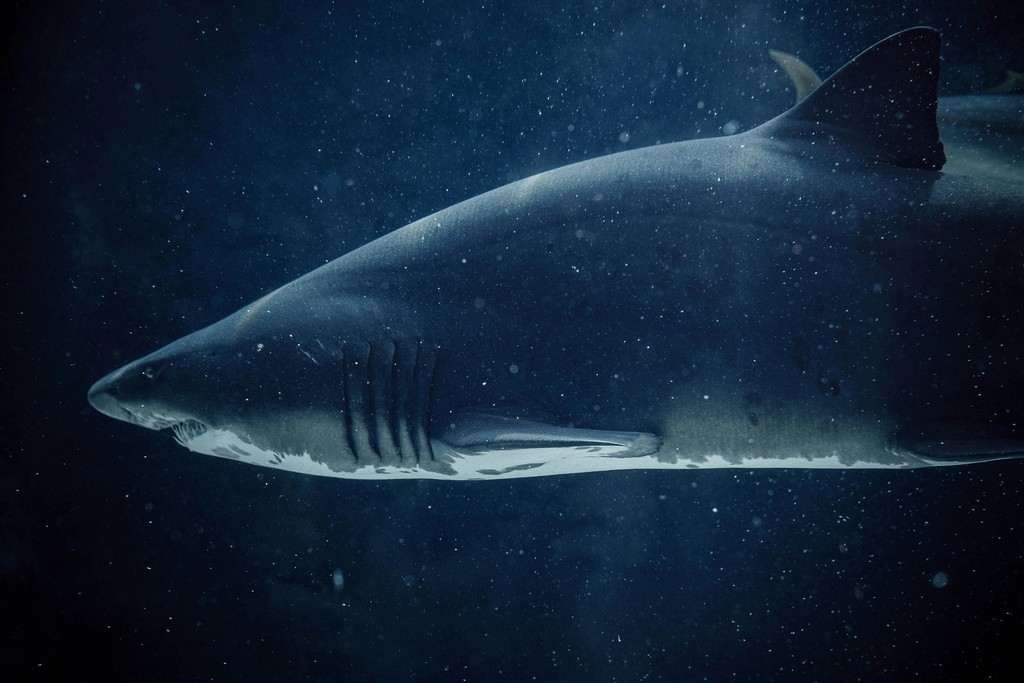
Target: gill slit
x=388 y=390
x=424 y=387
x=346 y=405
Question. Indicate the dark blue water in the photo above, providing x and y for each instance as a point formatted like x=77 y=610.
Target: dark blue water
x=164 y=164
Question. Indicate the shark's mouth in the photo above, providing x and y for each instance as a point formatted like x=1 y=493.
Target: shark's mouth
x=187 y=430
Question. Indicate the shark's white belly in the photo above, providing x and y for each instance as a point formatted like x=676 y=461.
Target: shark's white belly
x=515 y=463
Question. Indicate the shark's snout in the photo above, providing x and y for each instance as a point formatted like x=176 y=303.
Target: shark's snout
x=103 y=397
x=115 y=397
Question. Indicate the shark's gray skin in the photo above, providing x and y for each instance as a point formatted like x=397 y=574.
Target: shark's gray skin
x=983 y=135
x=985 y=111
x=811 y=293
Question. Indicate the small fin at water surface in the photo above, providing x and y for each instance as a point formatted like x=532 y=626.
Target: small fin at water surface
x=486 y=432
x=883 y=101
x=963 y=442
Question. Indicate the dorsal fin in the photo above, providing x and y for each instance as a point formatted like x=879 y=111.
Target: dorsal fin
x=800 y=73
x=884 y=100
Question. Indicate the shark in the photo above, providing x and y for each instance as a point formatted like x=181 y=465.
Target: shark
x=812 y=293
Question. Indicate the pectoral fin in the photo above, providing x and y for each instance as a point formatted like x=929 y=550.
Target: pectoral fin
x=956 y=443
x=495 y=445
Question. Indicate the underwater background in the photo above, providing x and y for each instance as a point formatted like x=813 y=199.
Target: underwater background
x=165 y=163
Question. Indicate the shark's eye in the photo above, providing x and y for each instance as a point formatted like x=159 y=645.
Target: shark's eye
x=148 y=372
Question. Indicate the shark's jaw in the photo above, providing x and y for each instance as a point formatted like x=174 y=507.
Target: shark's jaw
x=141 y=415
x=188 y=430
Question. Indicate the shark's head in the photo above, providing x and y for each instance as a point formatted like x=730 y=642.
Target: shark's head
x=216 y=378
x=157 y=391
x=301 y=379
